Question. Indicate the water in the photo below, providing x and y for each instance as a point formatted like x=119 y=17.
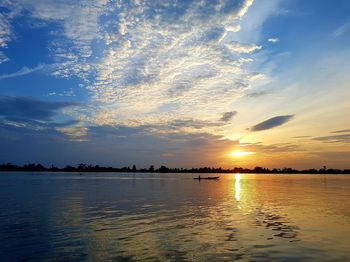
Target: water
x=172 y=217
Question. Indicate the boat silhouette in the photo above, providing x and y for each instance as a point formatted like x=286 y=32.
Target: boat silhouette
x=209 y=177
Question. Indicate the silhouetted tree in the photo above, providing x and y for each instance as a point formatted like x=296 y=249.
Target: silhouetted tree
x=163 y=169
x=133 y=168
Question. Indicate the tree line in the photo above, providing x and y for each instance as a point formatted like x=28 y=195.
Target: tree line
x=163 y=169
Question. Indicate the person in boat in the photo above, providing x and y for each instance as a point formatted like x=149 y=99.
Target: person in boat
x=199 y=176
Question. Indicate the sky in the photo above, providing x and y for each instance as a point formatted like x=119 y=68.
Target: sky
x=230 y=83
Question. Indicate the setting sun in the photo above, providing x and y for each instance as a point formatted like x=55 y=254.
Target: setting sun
x=240 y=154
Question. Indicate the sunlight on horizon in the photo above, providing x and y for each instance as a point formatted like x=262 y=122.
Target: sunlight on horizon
x=240 y=154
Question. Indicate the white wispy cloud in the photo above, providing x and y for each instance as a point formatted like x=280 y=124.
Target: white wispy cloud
x=69 y=92
x=273 y=40
x=76 y=133
x=9 y=10
x=150 y=62
x=341 y=30
x=23 y=71
x=176 y=59
x=5 y=30
x=80 y=26
x=3 y=58
x=242 y=48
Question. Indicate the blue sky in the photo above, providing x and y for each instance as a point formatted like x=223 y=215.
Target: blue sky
x=180 y=83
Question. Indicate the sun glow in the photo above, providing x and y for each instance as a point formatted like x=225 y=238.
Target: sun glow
x=240 y=154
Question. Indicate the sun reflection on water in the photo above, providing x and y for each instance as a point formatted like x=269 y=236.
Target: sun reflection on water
x=238 y=187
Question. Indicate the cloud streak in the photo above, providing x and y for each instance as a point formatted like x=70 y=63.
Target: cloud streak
x=341 y=30
x=271 y=123
x=29 y=108
x=257 y=94
x=344 y=138
x=273 y=40
x=23 y=71
x=227 y=116
x=342 y=131
x=3 y=58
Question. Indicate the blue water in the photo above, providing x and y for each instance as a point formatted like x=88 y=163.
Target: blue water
x=172 y=217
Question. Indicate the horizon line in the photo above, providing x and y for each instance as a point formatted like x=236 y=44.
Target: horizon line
x=164 y=169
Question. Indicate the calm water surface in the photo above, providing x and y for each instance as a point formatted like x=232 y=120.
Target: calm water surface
x=172 y=217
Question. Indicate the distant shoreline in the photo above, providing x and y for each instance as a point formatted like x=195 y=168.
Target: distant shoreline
x=8 y=167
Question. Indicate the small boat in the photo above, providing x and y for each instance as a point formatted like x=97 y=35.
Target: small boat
x=209 y=177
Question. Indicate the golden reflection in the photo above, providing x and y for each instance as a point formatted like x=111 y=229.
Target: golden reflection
x=238 y=187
